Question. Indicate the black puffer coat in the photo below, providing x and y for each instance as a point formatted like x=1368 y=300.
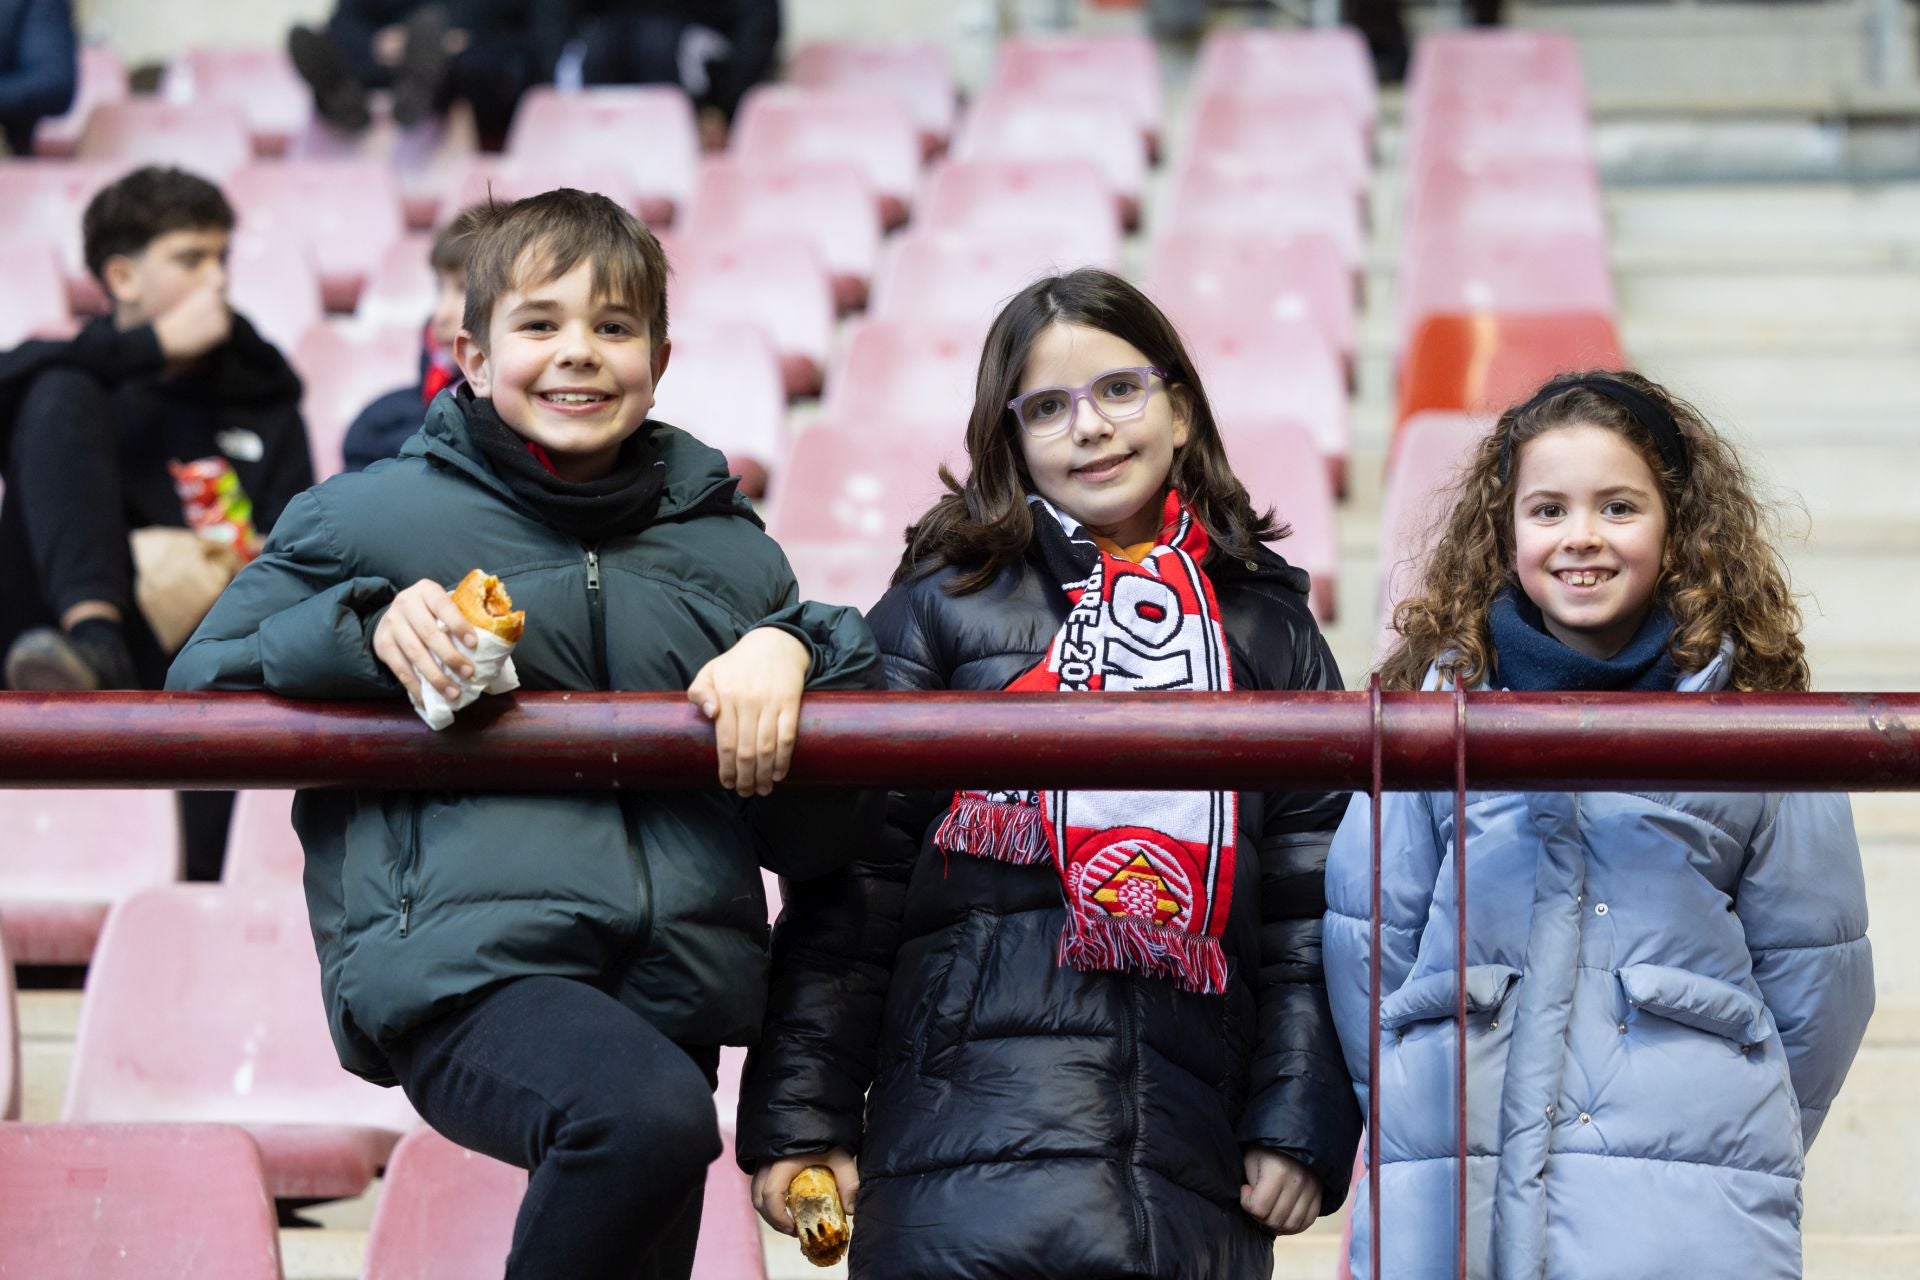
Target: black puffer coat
x=1028 y=1120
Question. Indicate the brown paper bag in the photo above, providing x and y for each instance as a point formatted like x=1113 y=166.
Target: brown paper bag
x=177 y=574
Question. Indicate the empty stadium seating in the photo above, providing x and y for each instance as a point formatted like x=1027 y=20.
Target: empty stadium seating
x=1278 y=468
x=894 y=376
x=914 y=72
x=1508 y=274
x=260 y=83
x=1118 y=72
x=1254 y=277
x=1431 y=449
x=1258 y=372
x=1005 y=126
x=134 y=1202
x=1330 y=61
x=1281 y=134
x=277 y=290
x=1485 y=363
x=252 y=1049
x=511 y=177
x=853 y=484
x=206 y=138
x=990 y=200
x=402 y=288
x=778 y=284
x=34 y=303
x=870 y=128
x=954 y=277
x=344 y=367
x=1210 y=200
x=849 y=573
x=342 y=215
x=45 y=200
x=829 y=203
x=102 y=77
x=657 y=144
x=723 y=384
x=69 y=856
x=9 y=1039
x=262 y=848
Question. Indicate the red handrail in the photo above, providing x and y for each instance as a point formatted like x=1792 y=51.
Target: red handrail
x=560 y=741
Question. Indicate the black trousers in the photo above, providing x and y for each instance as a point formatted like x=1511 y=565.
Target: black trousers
x=614 y=1121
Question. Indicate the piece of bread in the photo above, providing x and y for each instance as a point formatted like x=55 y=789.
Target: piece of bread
x=813 y=1197
x=486 y=604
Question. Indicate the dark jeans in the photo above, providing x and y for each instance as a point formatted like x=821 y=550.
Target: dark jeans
x=614 y=1121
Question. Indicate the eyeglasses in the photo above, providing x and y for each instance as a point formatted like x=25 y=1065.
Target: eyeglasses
x=1117 y=395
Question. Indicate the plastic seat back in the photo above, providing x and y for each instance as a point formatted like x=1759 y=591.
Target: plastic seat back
x=1330 y=61
x=900 y=375
x=1210 y=200
x=1120 y=72
x=345 y=214
x=829 y=203
x=962 y=279
x=132 y=1202
x=1281 y=133
x=646 y=131
x=1510 y=274
x=344 y=369
x=402 y=289
x=855 y=574
x=1266 y=371
x=275 y=287
x=775 y=283
x=45 y=201
x=102 y=77
x=1433 y=447
x=1064 y=202
x=34 y=303
x=870 y=128
x=1250 y=277
x=1002 y=125
x=204 y=138
x=852 y=484
x=70 y=855
x=262 y=847
x=260 y=83
x=1277 y=461
x=915 y=72
x=724 y=386
x=1486 y=363
x=514 y=177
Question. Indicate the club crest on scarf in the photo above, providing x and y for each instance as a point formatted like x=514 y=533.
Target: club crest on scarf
x=1148 y=875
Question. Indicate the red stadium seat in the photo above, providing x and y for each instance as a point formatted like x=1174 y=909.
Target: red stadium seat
x=102 y=78
x=70 y=855
x=344 y=367
x=1259 y=372
x=45 y=200
x=777 y=283
x=1276 y=463
x=902 y=375
x=205 y=138
x=1064 y=203
x=344 y=214
x=133 y=1202
x=646 y=131
x=1001 y=125
x=952 y=277
x=34 y=302
x=402 y=288
x=831 y=204
x=1121 y=72
x=203 y=1004
x=870 y=128
x=446 y=1213
x=262 y=848
x=860 y=483
x=1281 y=135
x=1485 y=363
x=9 y=1040
x=274 y=287
x=1508 y=274
x=1260 y=278
x=1209 y=200
x=855 y=574
x=260 y=83
x=1432 y=447
x=914 y=72
x=723 y=384
x=1330 y=60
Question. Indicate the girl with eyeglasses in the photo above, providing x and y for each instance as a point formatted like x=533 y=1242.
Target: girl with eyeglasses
x=1073 y=1034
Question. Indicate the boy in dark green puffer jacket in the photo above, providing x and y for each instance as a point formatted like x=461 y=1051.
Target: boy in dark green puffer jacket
x=549 y=976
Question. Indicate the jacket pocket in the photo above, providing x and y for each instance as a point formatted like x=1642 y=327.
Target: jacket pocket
x=1433 y=998
x=1695 y=1000
x=950 y=1011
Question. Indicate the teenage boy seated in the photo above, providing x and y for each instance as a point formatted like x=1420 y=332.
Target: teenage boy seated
x=384 y=425
x=93 y=432
x=550 y=976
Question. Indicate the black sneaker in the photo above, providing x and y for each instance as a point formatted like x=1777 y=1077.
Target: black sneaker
x=48 y=660
x=337 y=96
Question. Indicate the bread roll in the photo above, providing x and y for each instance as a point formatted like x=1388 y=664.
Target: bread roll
x=486 y=604
x=813 y=1197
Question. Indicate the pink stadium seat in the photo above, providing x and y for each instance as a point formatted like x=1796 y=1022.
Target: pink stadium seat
x=9 y=1040
x=1270 y=463
x=1260 y=372
x=203 y=1004
x=1503 y=58
x=206 y=138
x=776 y=283
x=70 y=855
x=1494 y=198
x=831 y=204
x=34 y=302
x=855 y=574
x=344 y=368
x=915 y=72
x=871 y=128
x=344 y=214
x=1515 y=124
x=1431 y=450
x=1328 y=60
x=723 y=384
x=1281 y=134
x=446 y=1213
x=989 y=201
x=133 y=1202
x=1258 y=277
x=1003 y=125
x=1510 y=274
x=902 y=375
x=1120 y=71
x=647 y=131
x=402 y=288
x=952 y=277
x=45 y=200
x=260 y=83
x=102 y=78
x=262 y=848
x=275 y=288
x=1210 y=200
x=513 y=177
x=860 y=483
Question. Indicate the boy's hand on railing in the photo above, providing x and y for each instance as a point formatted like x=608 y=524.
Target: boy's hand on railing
x=1280 y=1192
x=420 y=625
x=770 y=1183
x=752 y=694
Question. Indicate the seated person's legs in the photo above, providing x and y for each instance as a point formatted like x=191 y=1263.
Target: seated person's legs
x=614 y=1121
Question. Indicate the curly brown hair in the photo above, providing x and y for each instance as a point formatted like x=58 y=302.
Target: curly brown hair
x=1720 y=577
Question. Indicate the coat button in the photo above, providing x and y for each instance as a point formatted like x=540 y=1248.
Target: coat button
x=1623 y=1028
x=1253 y=565
x=1585 y=1118
x=1549 y=1113
x=1600 y=910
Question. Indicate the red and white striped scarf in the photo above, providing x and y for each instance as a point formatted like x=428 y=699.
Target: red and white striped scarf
x=1148 y=875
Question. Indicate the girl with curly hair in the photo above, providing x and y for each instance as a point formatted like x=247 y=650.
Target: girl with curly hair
x=1664 y=990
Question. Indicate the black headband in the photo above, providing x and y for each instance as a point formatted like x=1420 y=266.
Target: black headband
x=1648 y=412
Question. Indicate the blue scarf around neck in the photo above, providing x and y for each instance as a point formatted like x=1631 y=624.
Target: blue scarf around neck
x=1527 y=658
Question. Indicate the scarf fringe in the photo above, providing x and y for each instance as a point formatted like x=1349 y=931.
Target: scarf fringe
x=992 y=829
x=1195 y=962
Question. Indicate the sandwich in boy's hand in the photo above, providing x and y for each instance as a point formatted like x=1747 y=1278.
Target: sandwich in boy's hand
x=813 y=1197
x=497 y=626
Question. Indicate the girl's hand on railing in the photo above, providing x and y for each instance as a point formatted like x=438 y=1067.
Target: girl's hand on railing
x=770 y=1182
x=751 y=693
x=1280 y=1192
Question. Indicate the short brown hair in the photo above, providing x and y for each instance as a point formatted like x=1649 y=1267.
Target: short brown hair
x=560 y=229
x=127 y=216
x=453 y=247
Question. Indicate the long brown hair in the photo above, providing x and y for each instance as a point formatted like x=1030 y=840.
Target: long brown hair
x=983 y=525
x=1720 y=576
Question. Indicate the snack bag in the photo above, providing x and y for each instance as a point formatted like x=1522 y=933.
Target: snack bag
x=216 y=507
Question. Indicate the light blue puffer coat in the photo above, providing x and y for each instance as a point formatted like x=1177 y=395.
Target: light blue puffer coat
x=1664 y=994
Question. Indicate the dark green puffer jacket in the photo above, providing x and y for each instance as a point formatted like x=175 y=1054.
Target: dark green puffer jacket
x=420 y=901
